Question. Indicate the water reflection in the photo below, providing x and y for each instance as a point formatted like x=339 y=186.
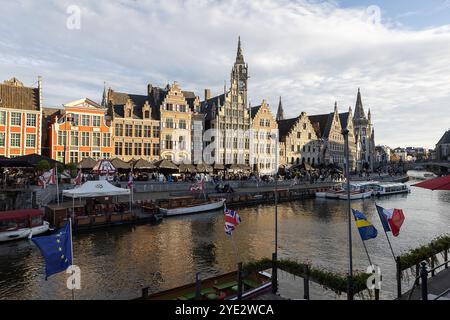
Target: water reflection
x=118 y=262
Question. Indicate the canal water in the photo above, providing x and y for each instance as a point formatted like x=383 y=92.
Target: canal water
x=118 y=262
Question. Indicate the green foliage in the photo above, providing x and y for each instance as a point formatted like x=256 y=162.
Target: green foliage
x=330 y=280
x=425 y=252
x=43 y=165
x=72 y=167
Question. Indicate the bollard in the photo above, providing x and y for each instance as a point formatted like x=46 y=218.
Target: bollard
x=145 y=292
x=306 y=284
x=239 y=297
x=424 y=281
x=274 y=274
x=399 y=278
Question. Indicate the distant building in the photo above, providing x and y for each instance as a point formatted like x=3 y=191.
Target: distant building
x=382 y=155
x=400 y=154
x=20 y=118
x=263 y=142
x=365 y=136
x=443 y=147
x=80 y=131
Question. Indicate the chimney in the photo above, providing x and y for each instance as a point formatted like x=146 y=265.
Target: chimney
x=149 y=89
x=40 y=92
x=207 y=94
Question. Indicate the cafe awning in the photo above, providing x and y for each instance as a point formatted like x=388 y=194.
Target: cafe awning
x=204 y=168
x=87 y=163
x=120 y=164
x=165 y=164
x=92 y=189
x=187 y=168
x=142 y=164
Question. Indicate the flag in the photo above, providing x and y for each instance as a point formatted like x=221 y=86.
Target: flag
x=232 y=219
x=79 y=178
x=391 y=219
x=366 y=229
x=57 y=250
x=52 y=177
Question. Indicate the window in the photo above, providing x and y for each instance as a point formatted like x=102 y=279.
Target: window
x=96 y=139
x=85 y=139
x=75 y=118
x=147 y=131
x=106 y=155
x=169 y=107
x=138 y=131
x=106 y=139
x=156 y=149
x=119 y=130
x=61 y=138
x=168 y=142
x=235 y=143
x=128 y=148
x=138 y=149
x=128 y=130
x=299 y=135
x=73 y=157
x=118 y=148
x=31 y=120
x=60 y=156
x=182 y=124
x=85 y=120
x=96 y=155
x=16 y=118
x=147 y=149
x=156 y=133
x=169 y=123
x=181 y=143
x=84 y=155
x=182 y=108
x=30 y=141
x=15 y=140
x=74 y=138
x=96 y=121
x=2 y=139
x=309 y=136
x=2 y=117
x=146 y=114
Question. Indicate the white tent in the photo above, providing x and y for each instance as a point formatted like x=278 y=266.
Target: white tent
x=100 y=188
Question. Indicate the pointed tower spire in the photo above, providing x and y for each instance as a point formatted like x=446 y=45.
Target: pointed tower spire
x=105 y=96
x=239 y=55
x=335 y=106
x=359 y=109
x=280 y=112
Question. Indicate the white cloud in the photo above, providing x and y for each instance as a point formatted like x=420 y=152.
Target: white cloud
x=310 y=53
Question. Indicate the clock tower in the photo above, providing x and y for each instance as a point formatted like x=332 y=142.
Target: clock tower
x=239 y=79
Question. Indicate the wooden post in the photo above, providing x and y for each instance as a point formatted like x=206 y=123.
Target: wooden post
x=446 y=258
x=239 y=281
x=274 y=274
x=424 y=281
x=399 y=277
x=306 y=284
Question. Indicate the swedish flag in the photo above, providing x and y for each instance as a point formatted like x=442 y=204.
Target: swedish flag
x=57 y=250
x=365 y=228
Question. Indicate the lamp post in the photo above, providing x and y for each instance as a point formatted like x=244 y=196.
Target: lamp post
x=345 y=133
x=275 y=255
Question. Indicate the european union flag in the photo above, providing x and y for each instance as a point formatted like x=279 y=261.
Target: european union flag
x=57 y=250
x=366 y=229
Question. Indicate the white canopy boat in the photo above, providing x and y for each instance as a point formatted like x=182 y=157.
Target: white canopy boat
x=194 y=207
x=21 y=224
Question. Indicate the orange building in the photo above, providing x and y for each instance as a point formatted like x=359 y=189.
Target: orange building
x=81 y=131
x=20 y=118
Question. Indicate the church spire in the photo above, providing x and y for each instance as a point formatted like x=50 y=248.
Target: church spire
x=280 y=112
x=239 y=55
x=105 y=96
x=359 y=109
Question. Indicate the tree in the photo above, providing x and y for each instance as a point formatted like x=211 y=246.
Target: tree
x=43 y=166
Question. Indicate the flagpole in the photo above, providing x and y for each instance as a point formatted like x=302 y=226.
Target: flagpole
x=387 y=236
x=367 y=252
x=71 y=250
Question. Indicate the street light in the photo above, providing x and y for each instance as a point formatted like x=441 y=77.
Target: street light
x=345 y=133
x=275 y=256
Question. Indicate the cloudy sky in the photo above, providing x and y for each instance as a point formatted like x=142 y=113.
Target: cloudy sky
x=311 y=53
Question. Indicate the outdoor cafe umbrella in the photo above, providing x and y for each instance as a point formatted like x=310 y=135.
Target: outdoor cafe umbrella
x=120 y=164
x=143 y=164
x=86 y=163
x=442 y=183
x=204 y=168
x=165 y=164
x=187 y=168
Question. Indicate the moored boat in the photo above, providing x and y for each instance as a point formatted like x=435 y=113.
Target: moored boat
x=384 y=189
x=356 y=195
x=21 y=224
x=223 y=287
x=193 y=207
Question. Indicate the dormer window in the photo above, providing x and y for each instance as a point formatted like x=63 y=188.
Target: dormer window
x=129 y=113
x=147 y=114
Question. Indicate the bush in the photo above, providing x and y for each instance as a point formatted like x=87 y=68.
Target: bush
x=43 y=166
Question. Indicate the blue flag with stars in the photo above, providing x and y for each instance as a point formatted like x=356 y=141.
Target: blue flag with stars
x=57 y=250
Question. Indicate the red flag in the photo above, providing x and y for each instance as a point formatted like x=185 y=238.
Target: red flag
x=396 y=221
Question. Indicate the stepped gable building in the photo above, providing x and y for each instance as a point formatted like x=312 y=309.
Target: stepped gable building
x=20 y=118
x=153 y=126
x=79 y=131
x=364 y=136
x=263 y=140
x=443 y=147
x=228 y=117
x=299 y=142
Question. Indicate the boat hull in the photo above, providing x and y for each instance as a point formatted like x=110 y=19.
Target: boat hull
x=321 y=194
x=356 y=196
x=192 y=210
x=24 y=233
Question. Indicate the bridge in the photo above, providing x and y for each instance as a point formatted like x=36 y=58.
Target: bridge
x=442 y=165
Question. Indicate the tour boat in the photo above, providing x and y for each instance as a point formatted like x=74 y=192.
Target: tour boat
x=334 y=194
x=195 y=206
x=322 y=194
x=20 y=224
x=384 y=189
x=223 y=287
x=356 y=195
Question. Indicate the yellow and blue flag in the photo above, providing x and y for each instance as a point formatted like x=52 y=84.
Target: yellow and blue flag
x=366 y=229
x=57 y=250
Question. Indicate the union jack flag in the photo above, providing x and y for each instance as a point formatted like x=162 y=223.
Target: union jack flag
x=232 y=219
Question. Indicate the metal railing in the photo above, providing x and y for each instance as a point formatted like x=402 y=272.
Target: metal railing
x=423 y=277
